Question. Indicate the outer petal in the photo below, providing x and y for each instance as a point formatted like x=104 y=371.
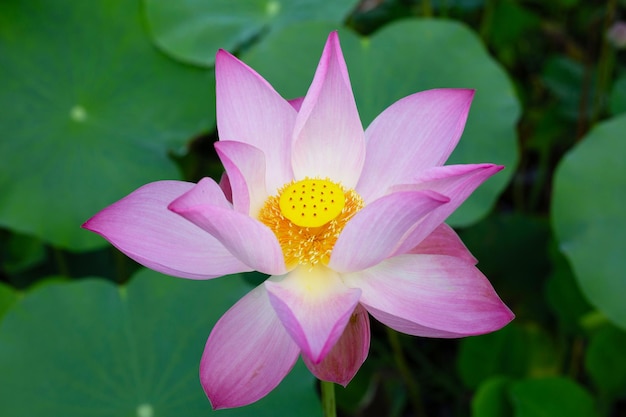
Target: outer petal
x=444 y=241
x=247 y=354
x=314 y=306
x=141 y=226
x=347 y=356
x=328 y=137
x=455 y=181
x=431 y=295
x=375 y=232
x=249 y=110
x=245 y=165
x=417 y=132
x=249 y=240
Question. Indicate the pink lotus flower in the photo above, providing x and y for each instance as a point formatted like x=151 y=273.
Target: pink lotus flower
x=345 y=222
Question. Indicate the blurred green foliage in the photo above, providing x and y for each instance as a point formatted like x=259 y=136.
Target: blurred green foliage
x=100 y=97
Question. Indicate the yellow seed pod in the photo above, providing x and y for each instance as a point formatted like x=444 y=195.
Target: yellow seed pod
x=312 y=202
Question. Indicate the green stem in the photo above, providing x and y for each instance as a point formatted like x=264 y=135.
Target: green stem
x=411 y=384
x=427 y=8
x=120 y=262
x=606 y=63
x=328 y=399
x=487 y=20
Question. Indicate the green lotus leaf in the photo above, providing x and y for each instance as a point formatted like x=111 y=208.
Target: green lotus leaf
x=193 y=30
x=605 y=361
x=91 y=348
x=90 y=110
x=8 y=296
x=551 y=397
x=588 y=215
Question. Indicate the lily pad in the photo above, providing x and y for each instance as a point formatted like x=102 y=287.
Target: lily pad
x=605 y=361
x=193 y=30
x=588 y=215
x=90 y=111
x=90 y=348
x=551 y=397
x=492 y=398
x=8 y=297
x=20 y=252
x=401 y=59
x=502 y=353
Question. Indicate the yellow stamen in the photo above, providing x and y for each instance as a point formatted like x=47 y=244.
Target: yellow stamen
x=307 y=217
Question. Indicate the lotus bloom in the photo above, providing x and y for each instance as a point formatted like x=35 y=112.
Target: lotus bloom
x=346 y=223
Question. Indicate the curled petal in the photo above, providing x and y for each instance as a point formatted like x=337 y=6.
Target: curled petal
x=431 y=295
x=455 y=181
x=245 y=166
x=314 y=306
x=250 y=110
x=444 y=241
x=247 y=354
x=250 y=241
x=346 y=357
x=375 y=232
x=417 y=132
x=141 y=226
x=328 y=137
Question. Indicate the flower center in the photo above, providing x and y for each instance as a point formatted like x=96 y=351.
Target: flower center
x=311 y=203
x=307 y=217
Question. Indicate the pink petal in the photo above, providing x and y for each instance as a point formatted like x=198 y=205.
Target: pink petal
x=314 y=306
x=328 y=137
x=417 y=132
x=249 y=240
x=249 y=110
x=348 y=354
x=247 y=354
x=375 y=232
x=444 y=241
x=141 y=226
x=245 y=166
x=296 y=103
x=226 y=188
x=431 y=295
x=455 y=181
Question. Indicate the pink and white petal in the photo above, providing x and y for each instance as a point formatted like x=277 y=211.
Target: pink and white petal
x=417 y=132
x=249 y=110
x=314 y=306
x=431 y=296
x=346 y=357
x=444 y=241
x=245 y=166
x=328 y=137
x=247 y=239
x=456 y=181
x=141 y=226
x=375 y=232
x=247 y=354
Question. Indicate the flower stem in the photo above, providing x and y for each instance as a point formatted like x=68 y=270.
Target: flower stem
x=328 y=399
x=606 y=62
x=411 y=384
x=427 y=8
